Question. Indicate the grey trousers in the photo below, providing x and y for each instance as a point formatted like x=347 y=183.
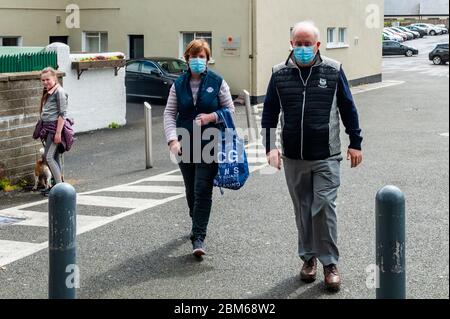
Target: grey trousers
x=313 y=186
x=52 y=156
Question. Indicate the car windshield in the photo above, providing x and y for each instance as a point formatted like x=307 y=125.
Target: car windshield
x=173 y=66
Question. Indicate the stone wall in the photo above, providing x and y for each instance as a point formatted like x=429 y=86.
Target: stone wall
x=20 y=95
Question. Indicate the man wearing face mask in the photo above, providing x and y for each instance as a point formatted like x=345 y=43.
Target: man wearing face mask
x=312 y=94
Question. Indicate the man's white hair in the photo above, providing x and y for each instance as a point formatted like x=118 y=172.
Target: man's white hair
x=308 y=25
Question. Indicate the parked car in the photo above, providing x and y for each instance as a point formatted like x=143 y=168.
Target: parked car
x=396 y=48
x=432 y=30
x=439 y=28
x=415 y=33
x=392 y=36
x=400 y=34
x=440 y=54
x=409 y=35
x=152 y=77
x=444 y=29
x=423 y=32
x=398 y=37
x=387 y=36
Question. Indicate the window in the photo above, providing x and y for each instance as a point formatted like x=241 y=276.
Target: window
x=331 y=37
x=133 y=67
x=187 y=37
x=148 y=67
x=95 y=42
x=11 y=41
x=337 y=38
x=173 y=66
x=62 y=39
x=343 y=35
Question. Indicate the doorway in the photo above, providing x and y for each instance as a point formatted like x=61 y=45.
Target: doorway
x=136 y=46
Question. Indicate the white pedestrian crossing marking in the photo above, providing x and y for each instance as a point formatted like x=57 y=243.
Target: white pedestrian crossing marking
x=105 y=201
x=11 y=251
x=167 y=178
x=38 y=219
x=148 y=189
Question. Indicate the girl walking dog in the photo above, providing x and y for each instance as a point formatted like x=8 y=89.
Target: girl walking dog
x=53 y=129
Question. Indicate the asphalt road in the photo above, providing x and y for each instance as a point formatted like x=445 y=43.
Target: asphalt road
x=252 y=236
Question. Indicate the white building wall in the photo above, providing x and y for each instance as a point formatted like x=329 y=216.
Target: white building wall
x=98 y=98
x=434 y=7
x=416 y=7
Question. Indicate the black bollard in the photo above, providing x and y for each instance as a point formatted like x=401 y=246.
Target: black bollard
x=390 y=220
x=63 y=273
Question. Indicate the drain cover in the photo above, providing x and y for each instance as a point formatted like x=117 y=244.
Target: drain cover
x=8 y=220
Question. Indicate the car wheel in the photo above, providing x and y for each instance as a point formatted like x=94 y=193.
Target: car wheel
x=409 y=53
x=437 y=60
x=432 y=32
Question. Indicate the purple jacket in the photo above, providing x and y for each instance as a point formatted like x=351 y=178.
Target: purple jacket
x=43 y=129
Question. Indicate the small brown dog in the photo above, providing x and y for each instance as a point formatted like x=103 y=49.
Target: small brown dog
x=42 y=173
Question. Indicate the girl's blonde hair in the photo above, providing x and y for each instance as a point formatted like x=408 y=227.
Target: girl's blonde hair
x=44 y=97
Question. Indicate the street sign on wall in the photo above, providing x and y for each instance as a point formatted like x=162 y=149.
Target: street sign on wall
x=231 y=46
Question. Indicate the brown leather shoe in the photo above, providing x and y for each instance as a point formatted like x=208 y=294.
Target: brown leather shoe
x=332 y=278
x=308 y=273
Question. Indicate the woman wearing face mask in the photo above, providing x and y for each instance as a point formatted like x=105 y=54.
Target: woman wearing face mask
x=195 y=101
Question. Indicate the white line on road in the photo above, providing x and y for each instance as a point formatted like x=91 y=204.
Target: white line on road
x=169 y=178
x=11 y=251
x=147 y=189
x=105 y=201
x=37 y=219
x=376 y=86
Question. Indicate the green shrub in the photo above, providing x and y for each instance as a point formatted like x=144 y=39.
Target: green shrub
x=114 y=125
x=6 y=186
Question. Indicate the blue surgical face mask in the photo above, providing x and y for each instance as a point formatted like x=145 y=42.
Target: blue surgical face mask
x=304 y=55
x=197 y=65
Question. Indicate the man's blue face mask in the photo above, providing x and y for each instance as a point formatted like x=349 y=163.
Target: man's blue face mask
x=197 y=65
x=304 y=55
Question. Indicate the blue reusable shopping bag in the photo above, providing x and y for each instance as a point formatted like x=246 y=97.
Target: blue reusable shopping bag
x=233 y=166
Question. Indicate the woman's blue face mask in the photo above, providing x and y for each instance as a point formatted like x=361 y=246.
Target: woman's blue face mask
x=197 y=65
x=304 y=54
